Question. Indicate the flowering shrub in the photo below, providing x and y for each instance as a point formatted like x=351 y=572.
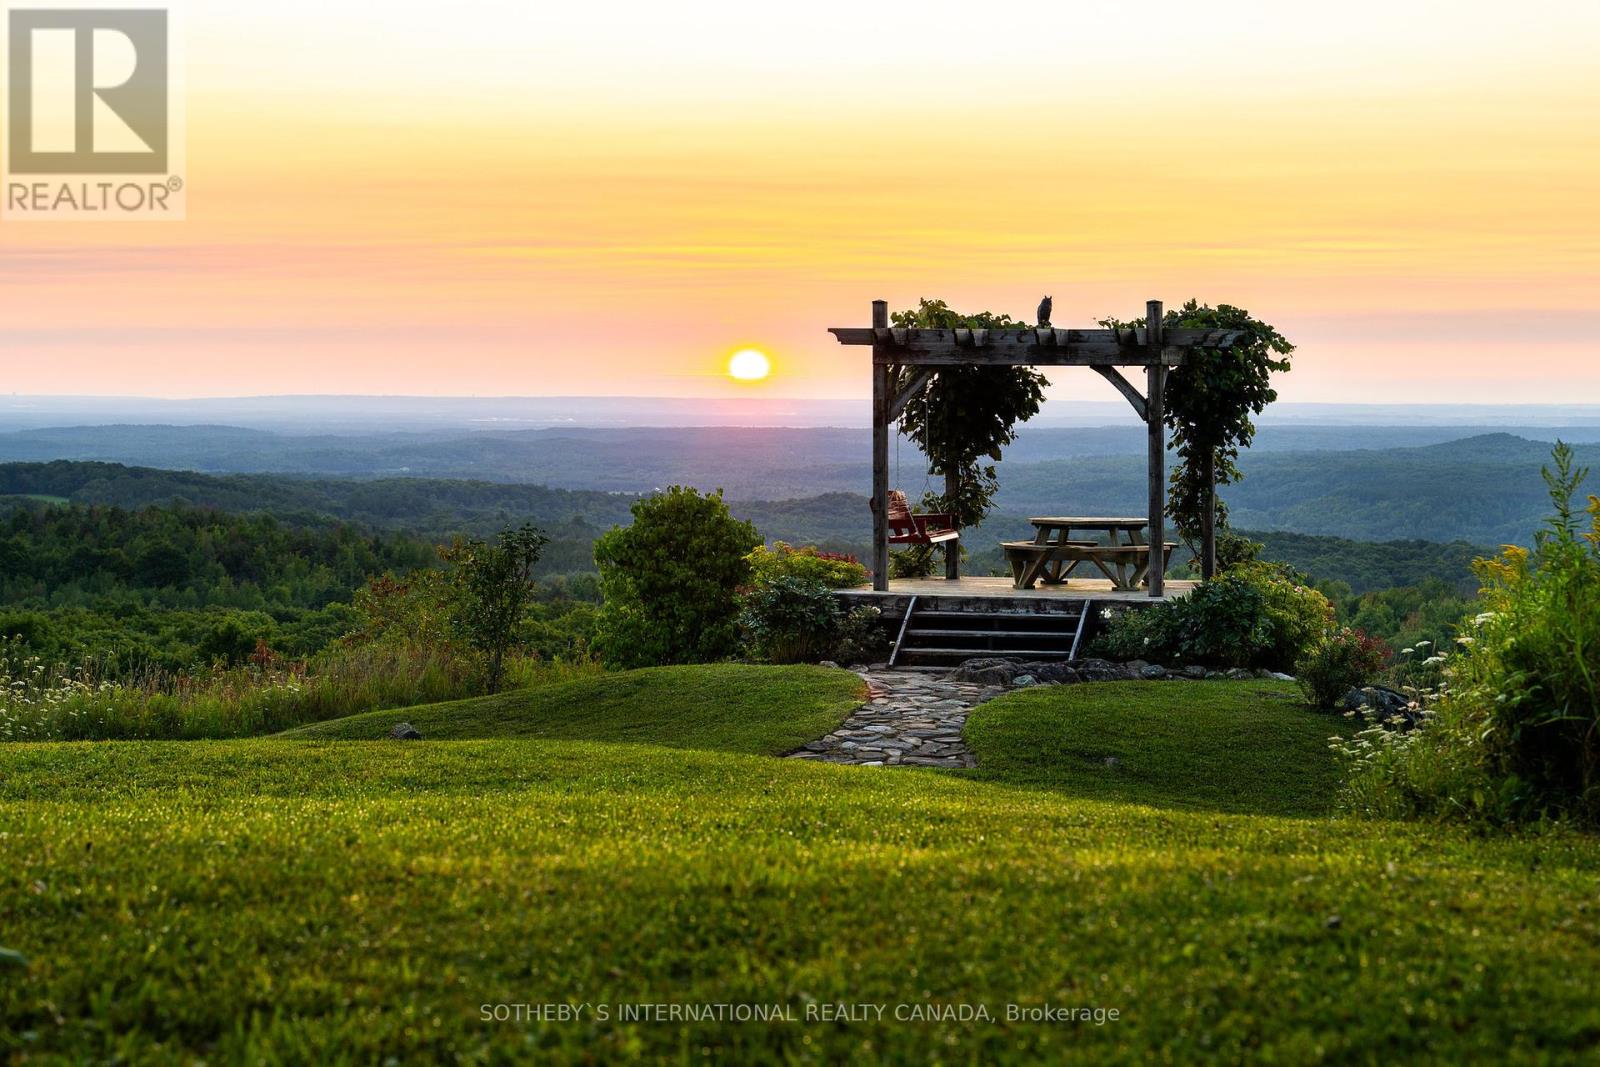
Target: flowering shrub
x=1514 y=735
x=1345 y=659
x=808 y=563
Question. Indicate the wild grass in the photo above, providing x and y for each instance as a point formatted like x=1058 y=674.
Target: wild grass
x=41 y=702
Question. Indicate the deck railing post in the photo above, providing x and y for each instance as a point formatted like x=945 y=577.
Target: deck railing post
x=881 y=387
x=1155 y=412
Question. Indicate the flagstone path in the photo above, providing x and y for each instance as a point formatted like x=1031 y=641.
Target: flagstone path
x=909 y=719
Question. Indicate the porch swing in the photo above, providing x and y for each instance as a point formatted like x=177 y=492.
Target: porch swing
x=931 y=528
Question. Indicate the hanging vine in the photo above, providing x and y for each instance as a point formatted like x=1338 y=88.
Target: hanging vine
x=1209 y=404
x=966 y=414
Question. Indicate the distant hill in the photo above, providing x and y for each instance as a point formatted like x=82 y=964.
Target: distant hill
x=440 y=508
x=1102 y=464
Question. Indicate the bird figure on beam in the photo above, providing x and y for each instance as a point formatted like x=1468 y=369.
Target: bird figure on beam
x=1044 y=311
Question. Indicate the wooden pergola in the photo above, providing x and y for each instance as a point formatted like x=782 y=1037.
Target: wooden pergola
x=1154 y=348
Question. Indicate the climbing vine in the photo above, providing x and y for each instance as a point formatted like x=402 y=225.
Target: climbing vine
x=966 y=414
x=1209 y=404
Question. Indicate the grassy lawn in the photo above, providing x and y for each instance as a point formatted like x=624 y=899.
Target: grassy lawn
x=321 y=901
x=1246 y=747
x=726 y=707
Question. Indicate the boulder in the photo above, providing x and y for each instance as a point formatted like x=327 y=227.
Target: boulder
x=1152 y=671
x=987 y=670
x=1240 y=674
x=1022 y=681
x=1197 y=673
x=404 y=731
x=1053 y=673
x=1379 y=703
x=1099 y=670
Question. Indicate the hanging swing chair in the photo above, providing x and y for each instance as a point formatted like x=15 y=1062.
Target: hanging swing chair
x=934 y=528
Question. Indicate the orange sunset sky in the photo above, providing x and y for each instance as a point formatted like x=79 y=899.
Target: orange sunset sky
x=521 y=198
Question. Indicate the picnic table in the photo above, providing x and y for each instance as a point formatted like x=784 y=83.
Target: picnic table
x=1054 y=553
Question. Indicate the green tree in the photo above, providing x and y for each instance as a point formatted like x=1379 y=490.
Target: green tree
x=1209 y=401
x=494 y=585
x=671 y=581
x=966 y=415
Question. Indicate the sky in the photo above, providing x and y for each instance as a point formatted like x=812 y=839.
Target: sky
x=524 y=198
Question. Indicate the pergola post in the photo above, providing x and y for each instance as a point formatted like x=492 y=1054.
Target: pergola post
x=1156 y=433
x=881 y=386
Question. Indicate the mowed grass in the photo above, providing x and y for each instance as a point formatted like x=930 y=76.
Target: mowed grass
x=1249 y=747
x=319 y=901
x=726 y=707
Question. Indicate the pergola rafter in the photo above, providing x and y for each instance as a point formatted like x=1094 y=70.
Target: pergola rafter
x=1153 y=347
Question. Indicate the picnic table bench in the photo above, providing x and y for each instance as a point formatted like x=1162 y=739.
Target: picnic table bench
x=1053 y=554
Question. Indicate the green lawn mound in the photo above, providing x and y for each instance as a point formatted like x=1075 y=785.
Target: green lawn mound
x=1252 y=747
x=727 y=707
x=319 y=901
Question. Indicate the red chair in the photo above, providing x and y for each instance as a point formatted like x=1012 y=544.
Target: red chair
x=935 y=528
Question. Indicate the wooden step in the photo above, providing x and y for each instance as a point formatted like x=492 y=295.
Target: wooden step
x=952 y=656
x=1046 y=635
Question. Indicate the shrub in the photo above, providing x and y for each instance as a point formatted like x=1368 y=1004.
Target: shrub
x=862 y=637
x=1251 y=616
x=671 y=581
x=1516 y=735
x=792 y=620
x=916 y=562
x=832 y=569
x=1345 y=659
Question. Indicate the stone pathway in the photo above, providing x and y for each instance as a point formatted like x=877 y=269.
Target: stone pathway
x=910 y=718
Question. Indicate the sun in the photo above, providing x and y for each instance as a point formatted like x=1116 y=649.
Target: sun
x=749 y=365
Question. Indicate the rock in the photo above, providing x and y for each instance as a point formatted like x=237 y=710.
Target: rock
x=1385 y=706
x=1152 y=671
x=1022 y=681
x=829 y=663
x=1137 y=664
x=1197 y=673
x=986 y=671
x=1240 y=674
x=404 y=731
x=1279 y=676
x=1055 y=674
x=1214 y=675
x=1099 y=670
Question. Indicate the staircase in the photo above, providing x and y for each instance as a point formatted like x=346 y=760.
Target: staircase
x=933 y=634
